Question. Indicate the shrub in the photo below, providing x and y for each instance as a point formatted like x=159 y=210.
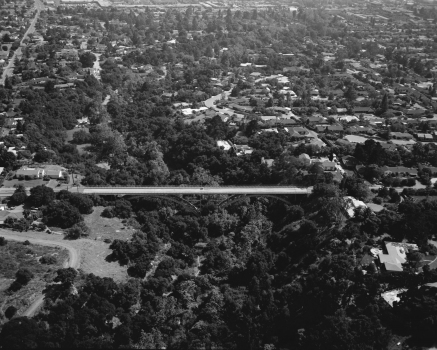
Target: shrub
x=377 y=200
x=78 y=230
x=23 y=276
x=10 y=312
x=26 y=242
x=107 y=213
x=48 y=259
x=3 y=241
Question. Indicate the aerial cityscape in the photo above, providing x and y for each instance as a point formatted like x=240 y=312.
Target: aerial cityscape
x=184 y=174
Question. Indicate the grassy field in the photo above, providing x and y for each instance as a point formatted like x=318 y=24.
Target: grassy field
x=93 y=255
x=16 y=255
x=102 y=228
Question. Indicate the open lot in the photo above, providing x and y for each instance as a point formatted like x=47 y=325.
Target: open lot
x=102 y=228
x=16 y=255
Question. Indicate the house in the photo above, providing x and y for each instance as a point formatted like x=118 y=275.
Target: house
x=399 y=170
x=299 y=132
x=32 y=173
x=349 y=162
x=401 y=136
x=225 y=145
x=424 y=137
x=328 y=166
x=396 y=255
x=359 y=110
x=268 y=162
x=329 y=128
x=54 y=174
x=351 y=204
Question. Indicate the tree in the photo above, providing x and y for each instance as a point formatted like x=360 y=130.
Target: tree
x=43 y=156
x=66 y=276
x=49 y=87
x=350 y=94
x=41 y=195
x=19 y=196
x=87 y=59
x=3 y=242
x=61 y=214
x=384 y=103
x=11 y=336
x=122 y=209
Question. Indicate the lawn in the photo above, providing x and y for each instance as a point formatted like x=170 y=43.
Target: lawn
x=72 y=131
x=25 y=183
x=16 y=255
x=82 y=149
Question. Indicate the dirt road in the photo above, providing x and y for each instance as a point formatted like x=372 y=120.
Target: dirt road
x=73 y=260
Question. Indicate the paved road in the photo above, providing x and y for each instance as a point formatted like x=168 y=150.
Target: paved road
x=73 y=261
x=196 y=190
x=9 y=69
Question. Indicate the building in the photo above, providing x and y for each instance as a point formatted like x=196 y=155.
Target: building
x=396 y=255
x=225 y=145
x=54 y=174
x=32 y=173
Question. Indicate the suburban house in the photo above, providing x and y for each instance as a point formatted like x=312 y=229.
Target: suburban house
x=424 y=137
x=401 y=136
x=54 y=174
x=32 y=173
x=349 y=162
x=328 y=166
x=399 y=170
x=396 y=255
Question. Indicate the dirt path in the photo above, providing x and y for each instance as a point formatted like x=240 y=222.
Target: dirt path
x=73 y=260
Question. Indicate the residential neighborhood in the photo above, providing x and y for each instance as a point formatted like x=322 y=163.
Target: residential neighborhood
x=190 y=174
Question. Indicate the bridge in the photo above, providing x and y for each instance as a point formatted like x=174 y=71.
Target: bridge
x=224 y=195
x=196 y=190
